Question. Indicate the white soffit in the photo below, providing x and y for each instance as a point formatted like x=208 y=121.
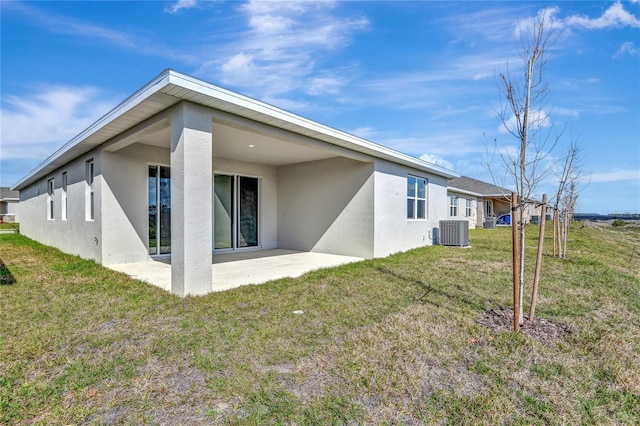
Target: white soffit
x=171 y=87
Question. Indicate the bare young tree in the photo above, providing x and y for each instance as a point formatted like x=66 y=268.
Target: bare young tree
x=524 y=113
x=570 y=183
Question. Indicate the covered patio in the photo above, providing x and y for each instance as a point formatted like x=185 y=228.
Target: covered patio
x=235 y=269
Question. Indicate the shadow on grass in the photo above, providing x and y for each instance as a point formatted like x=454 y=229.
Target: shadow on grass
x=429 y=290
x=6 y=278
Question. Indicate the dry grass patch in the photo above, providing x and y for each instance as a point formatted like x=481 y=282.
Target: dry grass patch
x=386 y=341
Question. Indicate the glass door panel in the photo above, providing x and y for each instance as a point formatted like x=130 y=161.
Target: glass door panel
x=223 y=211
x=159 y=202
x=165 y=210
x=235 y=209
x=248 y=212
x=153 y=208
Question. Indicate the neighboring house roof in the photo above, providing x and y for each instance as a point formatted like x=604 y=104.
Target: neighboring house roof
x=6 y=194
x=171 y=87
x=477 y=187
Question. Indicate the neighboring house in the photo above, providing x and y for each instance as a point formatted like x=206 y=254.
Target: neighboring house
x=185 y=168
x=9 y=205
x=478 y=201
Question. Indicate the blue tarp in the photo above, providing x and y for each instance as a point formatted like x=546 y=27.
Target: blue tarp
x=504 y=219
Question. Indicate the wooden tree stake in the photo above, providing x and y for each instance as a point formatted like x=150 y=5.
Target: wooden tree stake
x=536 y=275
x=514 y=243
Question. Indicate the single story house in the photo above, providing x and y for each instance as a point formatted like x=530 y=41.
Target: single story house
x=186 y=169
x=9 y=205
x=480 y=202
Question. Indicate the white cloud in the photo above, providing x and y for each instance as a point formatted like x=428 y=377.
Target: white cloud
x=628 y=47
x=529 y=25
x=324 y=85
x=284 y=47
x=614 y=17
x=287 y=103
x=180 y=5
x=35 y=125
x=437 y=160
x=537 y=120
x=71 y=26
x=84 y=31
x=614 y=176
x=366 y=132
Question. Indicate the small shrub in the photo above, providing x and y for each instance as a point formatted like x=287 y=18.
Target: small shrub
x=619 y=222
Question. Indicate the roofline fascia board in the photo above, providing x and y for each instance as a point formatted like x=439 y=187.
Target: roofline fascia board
x=135 y=99
x=168 y=76
x=464 y=191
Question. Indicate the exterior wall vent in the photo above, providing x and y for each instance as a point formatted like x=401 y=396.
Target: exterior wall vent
x=454 y=233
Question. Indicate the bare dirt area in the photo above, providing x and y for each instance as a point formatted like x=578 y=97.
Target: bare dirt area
x=608 y=223
x=541 y=329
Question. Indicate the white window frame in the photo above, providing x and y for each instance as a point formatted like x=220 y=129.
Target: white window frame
x=469 y=207
x=416 y=198
x=89 y=191
x=51 y=199
x=64 y=203
x=236 y=207
x=453 y=205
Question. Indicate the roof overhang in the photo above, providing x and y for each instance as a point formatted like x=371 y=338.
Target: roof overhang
x=171 y=87
x=464 y=191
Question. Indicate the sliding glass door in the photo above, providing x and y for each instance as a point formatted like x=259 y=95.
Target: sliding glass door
x=223 y=212
x=236 y=212
x=159 y=202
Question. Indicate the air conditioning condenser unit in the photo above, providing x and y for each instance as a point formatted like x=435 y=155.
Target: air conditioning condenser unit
x=454 y=233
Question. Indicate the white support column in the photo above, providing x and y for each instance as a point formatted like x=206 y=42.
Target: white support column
x=191 y=197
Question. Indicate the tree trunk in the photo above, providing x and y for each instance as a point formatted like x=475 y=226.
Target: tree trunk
x=536 y=275
x=516 y=266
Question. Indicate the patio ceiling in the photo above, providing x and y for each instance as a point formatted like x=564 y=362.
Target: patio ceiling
x=242 y=145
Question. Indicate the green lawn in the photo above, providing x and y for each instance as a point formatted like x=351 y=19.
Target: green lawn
x=386 y=341
x=10 y=226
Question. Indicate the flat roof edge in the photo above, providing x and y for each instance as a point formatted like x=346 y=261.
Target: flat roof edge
x=185 y=81
x=132 y=100
x=169 y=76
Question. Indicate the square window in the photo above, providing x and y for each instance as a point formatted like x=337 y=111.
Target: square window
x=453 y=205
x=416 y=198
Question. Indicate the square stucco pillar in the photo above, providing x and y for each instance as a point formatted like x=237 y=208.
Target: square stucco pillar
x=191 y=200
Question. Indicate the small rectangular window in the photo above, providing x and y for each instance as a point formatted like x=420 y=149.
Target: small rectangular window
x=416 y=198
x=468 y=209
x=64 y=196
x=453 y=205
x=89 y=191
x=50 y=199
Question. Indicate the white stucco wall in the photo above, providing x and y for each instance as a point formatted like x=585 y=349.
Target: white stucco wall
x=393 y=231
x=125 y=215
x=268 y=209
x=327 y=206
x=462 y=209
x=10 y=210
x=76 y=235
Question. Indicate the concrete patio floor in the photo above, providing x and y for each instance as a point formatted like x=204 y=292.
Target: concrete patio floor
x=235 y=269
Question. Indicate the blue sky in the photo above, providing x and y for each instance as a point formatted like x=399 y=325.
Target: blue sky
x=419 y=77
